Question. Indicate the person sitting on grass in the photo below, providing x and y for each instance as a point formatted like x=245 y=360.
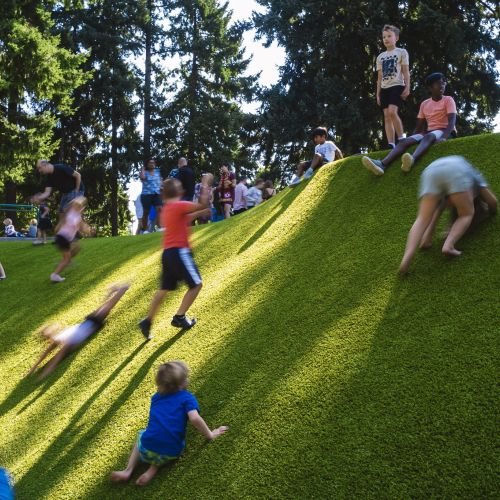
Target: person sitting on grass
x=69 y=339
x=66 y=232
x=435 y=123
x=33 y=229
x=163 y=440
x=450 y=177
x=10 y=230
x=324 y=152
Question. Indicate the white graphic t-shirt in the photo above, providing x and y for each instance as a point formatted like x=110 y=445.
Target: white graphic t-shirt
x=326 y=150
x=390 y=63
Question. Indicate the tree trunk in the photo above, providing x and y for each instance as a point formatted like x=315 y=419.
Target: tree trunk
x=147 y=82
x=10 y=187
x=114 y=170
x=192 y=88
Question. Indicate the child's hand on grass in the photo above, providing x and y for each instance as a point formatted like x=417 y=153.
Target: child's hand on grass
x=219 y=431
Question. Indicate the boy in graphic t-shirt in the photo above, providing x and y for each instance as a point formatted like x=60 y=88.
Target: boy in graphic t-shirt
x=177 y=260
x=435 y=123
x=324 y=152
x=393 y=83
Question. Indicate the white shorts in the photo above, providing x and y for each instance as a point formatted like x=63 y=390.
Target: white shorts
x=76 y=334
x=436 y=133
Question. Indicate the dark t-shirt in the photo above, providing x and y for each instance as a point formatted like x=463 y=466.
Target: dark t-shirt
x=62 y=179
x=187 y=178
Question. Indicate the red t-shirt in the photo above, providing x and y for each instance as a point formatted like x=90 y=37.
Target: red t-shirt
x=174 y=218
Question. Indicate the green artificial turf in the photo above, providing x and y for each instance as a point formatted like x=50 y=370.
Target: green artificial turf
x=337 y=378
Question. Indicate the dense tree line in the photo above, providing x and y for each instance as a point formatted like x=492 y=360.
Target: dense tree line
x=78 y=78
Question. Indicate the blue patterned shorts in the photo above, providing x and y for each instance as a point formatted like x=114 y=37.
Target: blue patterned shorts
x=151 y=457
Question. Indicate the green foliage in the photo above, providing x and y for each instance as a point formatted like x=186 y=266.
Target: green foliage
x=329 y=75
x=337 y=379
x=37 y=77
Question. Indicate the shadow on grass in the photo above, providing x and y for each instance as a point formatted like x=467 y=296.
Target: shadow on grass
x=55 y=462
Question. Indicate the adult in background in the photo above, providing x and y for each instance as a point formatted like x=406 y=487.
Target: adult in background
x=151 y=187
x=197 y=195
x=268 y=191
x=186 y=175
x=226 y=187
x=62 y=178
x=139 y=212
x=254 y=195
x=240 y=196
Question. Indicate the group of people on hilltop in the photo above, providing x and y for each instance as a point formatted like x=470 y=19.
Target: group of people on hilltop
x=229 y=196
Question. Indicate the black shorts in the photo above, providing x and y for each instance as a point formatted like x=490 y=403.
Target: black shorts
x=239 y=211
x=392 y=95
x=62 y=243
x=44 y=224
x=309 y=163
x=150 y=200
x=178 y=265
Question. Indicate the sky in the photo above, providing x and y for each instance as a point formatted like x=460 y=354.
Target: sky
x=265 y=61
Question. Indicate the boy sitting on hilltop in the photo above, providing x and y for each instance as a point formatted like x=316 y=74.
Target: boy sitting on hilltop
x=324 y=152
x=435 y=123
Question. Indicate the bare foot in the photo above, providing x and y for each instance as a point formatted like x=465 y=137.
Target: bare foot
x=120 y=476
x=451 y=252
x=145 y=478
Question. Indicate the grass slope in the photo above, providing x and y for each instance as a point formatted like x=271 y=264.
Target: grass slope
x=337 y=378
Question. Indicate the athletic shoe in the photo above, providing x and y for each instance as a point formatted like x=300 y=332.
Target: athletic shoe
x=296 y=180
x=407 y=162
x=183 y=322
x=374 y=166
x=145 y=326
x=308 y=173
x=56 y=278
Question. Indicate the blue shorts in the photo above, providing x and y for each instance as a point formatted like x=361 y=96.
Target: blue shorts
x=151 y=457
x=67 y=197
x=178 y=265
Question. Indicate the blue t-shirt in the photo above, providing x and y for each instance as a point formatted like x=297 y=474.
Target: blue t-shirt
x=166 y=430
x=151 y=183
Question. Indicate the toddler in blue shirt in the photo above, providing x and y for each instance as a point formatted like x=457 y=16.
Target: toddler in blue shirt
x=163 y=440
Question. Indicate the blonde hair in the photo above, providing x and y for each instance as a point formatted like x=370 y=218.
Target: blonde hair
x=171 y=188
x=7 y=222
x=390 y=27
x=171 y=377
x=34 y=222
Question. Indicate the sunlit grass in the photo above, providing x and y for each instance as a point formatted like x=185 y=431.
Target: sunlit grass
x=336 y=378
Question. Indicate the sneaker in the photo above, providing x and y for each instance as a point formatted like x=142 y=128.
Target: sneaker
x=407 y=162
x=145 y=326
x=374 y=166
x=183 y=322
x=296 y=180
x=308 y=173
x=56 y=278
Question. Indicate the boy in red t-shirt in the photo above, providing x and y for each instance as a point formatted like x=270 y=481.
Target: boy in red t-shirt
x=435 y=123
x=177 y=260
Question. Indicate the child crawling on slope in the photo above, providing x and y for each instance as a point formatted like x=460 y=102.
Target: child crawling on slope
x=69 y=339
x=163 y=440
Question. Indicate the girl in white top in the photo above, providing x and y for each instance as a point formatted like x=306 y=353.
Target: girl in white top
x=69 y=339
x=66 y=231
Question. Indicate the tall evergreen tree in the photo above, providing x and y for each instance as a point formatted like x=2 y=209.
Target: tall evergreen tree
x=329 y=74
x=201 y=118
x=37 y=78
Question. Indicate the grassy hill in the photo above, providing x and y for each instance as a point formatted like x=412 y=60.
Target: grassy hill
x=337 y=378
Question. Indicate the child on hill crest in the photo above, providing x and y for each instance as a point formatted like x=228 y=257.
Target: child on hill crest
x=393 y=83
x=163 y=440
x=324 y=152
x=435 y=123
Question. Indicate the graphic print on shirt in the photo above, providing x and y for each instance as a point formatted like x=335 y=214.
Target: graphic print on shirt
x=389 y=67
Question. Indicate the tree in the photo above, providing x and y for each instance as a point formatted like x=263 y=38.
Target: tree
x=37 y=78
x=329 y=74
x=201 y=117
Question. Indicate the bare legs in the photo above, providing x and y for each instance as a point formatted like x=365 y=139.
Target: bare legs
x=428 y=205
x=393 y=124
x=227 y=210
x=66 y=260
x=133 y=461
x=428 y=213
x=187 y=301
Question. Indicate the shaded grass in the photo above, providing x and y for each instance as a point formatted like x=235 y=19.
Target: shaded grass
x=336 y=378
